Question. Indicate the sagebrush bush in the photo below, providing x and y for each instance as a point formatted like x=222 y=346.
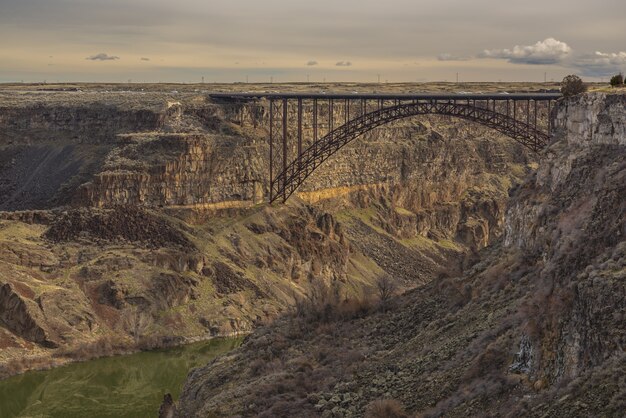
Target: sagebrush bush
x=385 y=408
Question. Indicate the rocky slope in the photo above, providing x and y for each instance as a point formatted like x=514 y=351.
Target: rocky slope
x=138 y=224
x=535 y=328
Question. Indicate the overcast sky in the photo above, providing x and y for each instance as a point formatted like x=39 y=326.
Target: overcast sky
x=336 y=40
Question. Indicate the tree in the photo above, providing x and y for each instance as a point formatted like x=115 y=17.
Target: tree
x=617 y=80
x=572 y=85
x=137 y=323
x=386 y=288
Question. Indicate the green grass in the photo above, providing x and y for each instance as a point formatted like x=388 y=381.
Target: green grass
x=419 y=242
x=449 y=245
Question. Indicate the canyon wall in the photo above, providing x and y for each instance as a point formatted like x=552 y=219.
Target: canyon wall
x=432 y=175
x=535 y=328
x=571 y=215
x=592 y=119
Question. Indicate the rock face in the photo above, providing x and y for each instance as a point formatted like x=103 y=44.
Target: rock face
x=86 y=118
x=179 y=169
x=593 y=119
x=535 y=328
x=50 y=144
x=22 y=316
x=576 y=225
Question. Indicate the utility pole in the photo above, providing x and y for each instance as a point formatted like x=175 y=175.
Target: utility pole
x=457 y=78
x=307 y=78
x=545 y=77
x=271 y=79
x=202 y=79
x=246 y=79
x=378 y=78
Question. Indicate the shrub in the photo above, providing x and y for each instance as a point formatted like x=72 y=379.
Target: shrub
x=327 y=304
x=385 y=408
x=617 y=80
x=572 y=85
x=137 y=323
x=386 y=288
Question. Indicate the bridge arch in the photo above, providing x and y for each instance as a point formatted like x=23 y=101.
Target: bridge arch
x=298 y=170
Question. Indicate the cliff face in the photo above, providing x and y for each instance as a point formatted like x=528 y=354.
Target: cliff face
x=535 y=328
x=576 y=226
x=431 y=177
x=592 y=119
x=52 y=143
x=448 y=179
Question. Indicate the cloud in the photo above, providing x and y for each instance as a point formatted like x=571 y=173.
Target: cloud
x=144 y=59
x=344 y=64
x=601 y=64
x=548 y=51
x=450 y=57
x=312 y=63
x=102 y=57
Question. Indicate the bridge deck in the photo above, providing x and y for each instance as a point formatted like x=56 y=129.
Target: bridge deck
x=235 y=97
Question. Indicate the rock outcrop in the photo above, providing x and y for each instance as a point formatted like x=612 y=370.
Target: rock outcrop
x=22 y=316
x=592 y=119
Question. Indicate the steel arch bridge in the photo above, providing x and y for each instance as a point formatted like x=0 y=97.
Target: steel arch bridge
x=524 y=117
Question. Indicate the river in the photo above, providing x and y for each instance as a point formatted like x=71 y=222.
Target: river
x=121 y=386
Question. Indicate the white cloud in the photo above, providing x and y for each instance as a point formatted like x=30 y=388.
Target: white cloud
x=344 y=64
x=548 y=51
x=102 y=57
x=450 y=57
x=601 y=63
x=312 y=63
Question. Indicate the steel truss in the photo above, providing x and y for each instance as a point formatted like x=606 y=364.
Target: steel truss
x=514 y=117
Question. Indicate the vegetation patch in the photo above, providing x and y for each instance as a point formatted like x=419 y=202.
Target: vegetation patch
x=123 y=223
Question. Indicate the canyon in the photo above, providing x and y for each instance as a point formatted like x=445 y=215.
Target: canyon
x=534 y=327
x=134 y=217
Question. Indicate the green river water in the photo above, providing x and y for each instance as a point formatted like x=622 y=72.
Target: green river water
x=124 y=386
